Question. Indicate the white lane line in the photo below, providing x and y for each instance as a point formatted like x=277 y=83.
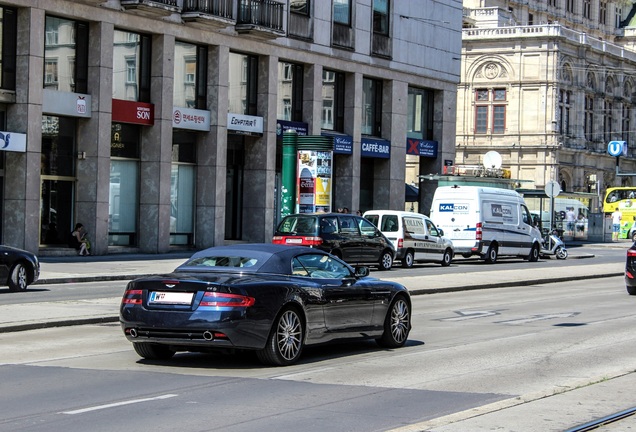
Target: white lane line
x=116 y=404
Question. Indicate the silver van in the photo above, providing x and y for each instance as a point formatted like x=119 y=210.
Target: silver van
x=415 y=237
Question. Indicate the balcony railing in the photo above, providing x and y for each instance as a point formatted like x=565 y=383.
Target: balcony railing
x=260 y=17
x=220 y=8
x=152 y=8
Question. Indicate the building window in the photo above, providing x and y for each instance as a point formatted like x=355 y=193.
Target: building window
x=299 y=6
x=618 y=16
x=65 y=55
x=243 y=83
x=182 y=188
x=627 y=114
x=608 y=120
x=131 y=66
x=530 y=19
x=420 y=114
x=587 y=9
x=381 y=16
x=490 y=103
x=333 y=97
x=372 y=107
x=342 y=12
x=569 y=6
x=588 y=121
x=564 y=112
x=290 y=91
x=602 y=13
x=190 y=63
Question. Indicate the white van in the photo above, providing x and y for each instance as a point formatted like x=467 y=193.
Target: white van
x=414 y=236
x=486 y=221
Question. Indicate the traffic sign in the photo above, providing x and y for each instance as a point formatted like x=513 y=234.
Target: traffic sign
x=617 y=148
x=552 y=189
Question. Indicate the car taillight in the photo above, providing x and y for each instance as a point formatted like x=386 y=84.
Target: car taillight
x=132 y=297
x=629 y=275
x=478 y=231
x=278 y=240
x=226 y=299
x=631 y=253
x=312 y=241
x=400 y=243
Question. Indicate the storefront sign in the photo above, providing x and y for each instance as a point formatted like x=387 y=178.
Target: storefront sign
x=342 y=144
x=376 y=148
x=284 y=125
x=314 y=181
x=66 y=103
x=245 y=124
x=418 y=147
x=133 y=112
x=191 y=119
x=12 y=141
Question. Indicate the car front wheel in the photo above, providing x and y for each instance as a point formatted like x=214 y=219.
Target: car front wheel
x=285 y=341
x=447 y=258
x=397 y=324
x=19 y=278
x=386 y=260
x=534 y=254
x=151 y=351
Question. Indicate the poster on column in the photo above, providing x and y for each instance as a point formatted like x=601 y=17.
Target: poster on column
x=314 y=181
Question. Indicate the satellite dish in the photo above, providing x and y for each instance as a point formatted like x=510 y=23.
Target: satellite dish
x=492 y=159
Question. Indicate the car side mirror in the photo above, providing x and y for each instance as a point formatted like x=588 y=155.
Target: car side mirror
x=440 y=232
x=361 y=271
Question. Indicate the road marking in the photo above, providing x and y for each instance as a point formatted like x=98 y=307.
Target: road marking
x=466 y=315
x=538 y=318
x=117 y=404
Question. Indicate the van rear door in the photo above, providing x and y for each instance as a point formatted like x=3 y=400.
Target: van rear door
x=458 y=217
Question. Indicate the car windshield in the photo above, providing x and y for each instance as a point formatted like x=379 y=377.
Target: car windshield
x=222 y=261
x=300 y=225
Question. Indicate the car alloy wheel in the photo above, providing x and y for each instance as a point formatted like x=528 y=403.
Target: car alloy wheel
x=18 y=280
x=447 y=258
x=386 y=261
x=407 y=261
x=285 y=342
x=397 y=324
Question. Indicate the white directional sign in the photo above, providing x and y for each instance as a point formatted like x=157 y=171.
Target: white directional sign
x=552 y=189
x=617 y=148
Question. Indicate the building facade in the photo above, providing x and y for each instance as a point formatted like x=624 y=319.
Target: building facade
x=157 y=123
x=548 y=84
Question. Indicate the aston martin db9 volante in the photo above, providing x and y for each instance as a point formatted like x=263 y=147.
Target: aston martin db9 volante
x=272 y=299
x=18 y=268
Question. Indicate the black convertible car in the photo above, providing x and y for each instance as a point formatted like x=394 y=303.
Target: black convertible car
x=273 y=299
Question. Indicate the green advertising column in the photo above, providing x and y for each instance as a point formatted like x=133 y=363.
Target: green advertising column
x=288 y=174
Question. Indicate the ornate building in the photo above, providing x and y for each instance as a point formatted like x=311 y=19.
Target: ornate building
x=547 y=84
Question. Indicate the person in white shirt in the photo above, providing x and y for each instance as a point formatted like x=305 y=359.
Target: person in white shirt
x=617 y=216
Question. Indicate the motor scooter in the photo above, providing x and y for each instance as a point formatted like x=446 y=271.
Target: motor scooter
x=552 y=244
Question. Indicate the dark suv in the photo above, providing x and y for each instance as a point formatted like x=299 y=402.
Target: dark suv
x=350 y=237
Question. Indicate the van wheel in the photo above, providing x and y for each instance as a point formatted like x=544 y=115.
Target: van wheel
x=407 y=261
x=534 y=254
x=634 y=236
x=386 y=260
x=447 y=258
x=491 y=254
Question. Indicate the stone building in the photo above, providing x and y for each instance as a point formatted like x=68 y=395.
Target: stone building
x=548 y=84
x=156 y=123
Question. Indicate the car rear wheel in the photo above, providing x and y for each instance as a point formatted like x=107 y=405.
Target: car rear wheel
x=491 y=254
x=633 y=236
x=447 y=258
x=285 y=341
x=386 y=260
x=407 y=261
x=151 y=351
x=397 y=324
x=534 y=254
x=19 y=278
x=631 y=290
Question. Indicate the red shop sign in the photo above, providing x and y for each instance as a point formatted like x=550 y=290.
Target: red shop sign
x=133 y=112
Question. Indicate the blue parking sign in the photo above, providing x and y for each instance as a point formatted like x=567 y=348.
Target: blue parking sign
x=617 y=148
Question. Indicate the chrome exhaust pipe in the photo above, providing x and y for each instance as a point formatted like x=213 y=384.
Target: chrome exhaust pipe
x=208 y=335
x=133 y=333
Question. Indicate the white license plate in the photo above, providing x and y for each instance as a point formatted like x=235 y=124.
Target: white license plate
x=164 y=297
x=295 y=241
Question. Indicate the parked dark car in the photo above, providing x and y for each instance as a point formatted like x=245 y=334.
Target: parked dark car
x=630 y=270
x=18 y=268
x=269 y=298
x=347 y=236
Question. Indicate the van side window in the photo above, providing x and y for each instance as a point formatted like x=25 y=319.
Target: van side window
x=348 y=225
x=389 y=223
x=414 y=225
x=431 y=228
x=527 y=218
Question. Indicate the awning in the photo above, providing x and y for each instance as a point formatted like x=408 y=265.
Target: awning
x=412 y=194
